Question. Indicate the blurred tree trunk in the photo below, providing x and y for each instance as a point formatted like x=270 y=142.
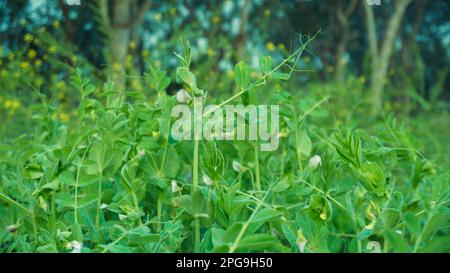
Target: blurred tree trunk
x=122 y=20
x=411 y=55
x=240 y=39
x=69 y=28
x=343 y=17
x=380 y=57
x=121 y=30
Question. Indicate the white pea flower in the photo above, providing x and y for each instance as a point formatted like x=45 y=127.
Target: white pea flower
x=75 y=246
x=207 y=180
x=237 y=167
x=141 y=153
x=103 y=206
x=373 y=247
x=122 y=217
x=183 y=96
x=301 y=241
x=315 y=161
x=11 y=228
x=175 y=187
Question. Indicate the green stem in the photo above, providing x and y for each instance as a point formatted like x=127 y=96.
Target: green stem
x=75 y=201
x=159 y=213
x=136 y=205
x=33 y=223
x=257 y=175
x=241 y=233
x=195 y=188
x=99 y=200
x=15 y=203
x=265 y=77
x=327 y=196
x=53 y=213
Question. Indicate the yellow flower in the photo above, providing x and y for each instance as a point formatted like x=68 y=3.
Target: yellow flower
x=281 y=46
x=136 y=85
x=145 y=53
x=215 y=19
x=361 y=79
x=38 y=63
x=31 y=54
x=15 y=104
x=60 y=95
x=60 y=85
x=132 y=45
x=39 y=81
x=270 y=46
x=129 y=61
x=28 y=37
x=7 y=103
x=158 y=17
x=24 y=65
x=267 y=12
x=52 y=49
x=64 y=117
x=56 y=24
x=211 y=52
x=117 y=67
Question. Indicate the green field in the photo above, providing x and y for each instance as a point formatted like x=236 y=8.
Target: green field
x=89 y=163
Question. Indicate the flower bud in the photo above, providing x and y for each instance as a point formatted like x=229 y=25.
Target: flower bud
x=315 y=161
x=237 y=167
x=183 y=97
x=175 y=187
x=12 y=228
x=301 y=241
x=141 y=153
x=207 y=180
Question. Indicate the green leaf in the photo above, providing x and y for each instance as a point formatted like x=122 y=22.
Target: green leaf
x=266 y=64
x=390 y=218
x=67 y=178
x=396 y=241
x=438 y=221
x=257 y=242
x=437 y=245
x=185 y=202
x=77 y=233
x=242 y=75
x=232 y=233
x=217 y=236
x=412 y=223
x=305 y=143
x=372 y=178
x=262 y=217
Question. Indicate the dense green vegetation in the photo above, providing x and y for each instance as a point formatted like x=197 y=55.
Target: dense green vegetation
x=88 y=163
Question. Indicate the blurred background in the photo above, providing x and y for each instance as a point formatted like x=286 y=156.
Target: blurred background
x=374 y=60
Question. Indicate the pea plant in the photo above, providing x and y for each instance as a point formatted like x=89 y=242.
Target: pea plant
x=113 y=179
